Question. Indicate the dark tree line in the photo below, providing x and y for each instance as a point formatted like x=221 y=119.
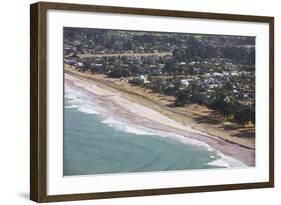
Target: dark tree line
x=226 y=106
x=239 y=55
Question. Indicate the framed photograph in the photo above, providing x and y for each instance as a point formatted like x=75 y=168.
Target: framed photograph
x=133 y=102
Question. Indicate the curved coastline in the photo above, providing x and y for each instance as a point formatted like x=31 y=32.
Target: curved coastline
x=149 y=119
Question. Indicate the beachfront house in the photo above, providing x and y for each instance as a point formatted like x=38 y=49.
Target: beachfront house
x=141 y=79
x=79 y=65
x=184 y=82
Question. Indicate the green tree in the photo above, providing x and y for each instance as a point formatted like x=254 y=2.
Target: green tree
x=182 y=98
x=200 y=98
x=119 y=72
x=228 y=86
x=190 y=70
x=223 y=104
x=228 y=107
x=244 y=114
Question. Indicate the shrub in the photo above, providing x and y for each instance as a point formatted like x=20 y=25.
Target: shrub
x=118 y=73
x=244 y=114
x=182 y=98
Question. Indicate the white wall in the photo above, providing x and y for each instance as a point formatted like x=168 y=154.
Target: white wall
x=14 y=103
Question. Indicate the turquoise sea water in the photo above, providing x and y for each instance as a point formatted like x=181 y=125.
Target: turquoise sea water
x=92 y=145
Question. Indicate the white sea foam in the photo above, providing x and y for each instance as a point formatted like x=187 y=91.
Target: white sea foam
x=69 y=95
x=77 y=100
x=226 y=161
x=219 y=163
x=231 y=161
x=188 y=141
x=138 y=130
x=88 y=110
x=71 y=106
x=125 y=127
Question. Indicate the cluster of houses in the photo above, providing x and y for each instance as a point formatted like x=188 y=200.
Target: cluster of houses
x=151 y=69
x=128 y=53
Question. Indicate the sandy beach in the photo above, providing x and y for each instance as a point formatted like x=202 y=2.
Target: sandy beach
x=143 y=113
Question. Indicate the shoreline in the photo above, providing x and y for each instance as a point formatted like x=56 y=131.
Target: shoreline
x=151 y=118
x=198 y=117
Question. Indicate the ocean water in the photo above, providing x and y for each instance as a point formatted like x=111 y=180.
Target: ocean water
x=97 y=142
